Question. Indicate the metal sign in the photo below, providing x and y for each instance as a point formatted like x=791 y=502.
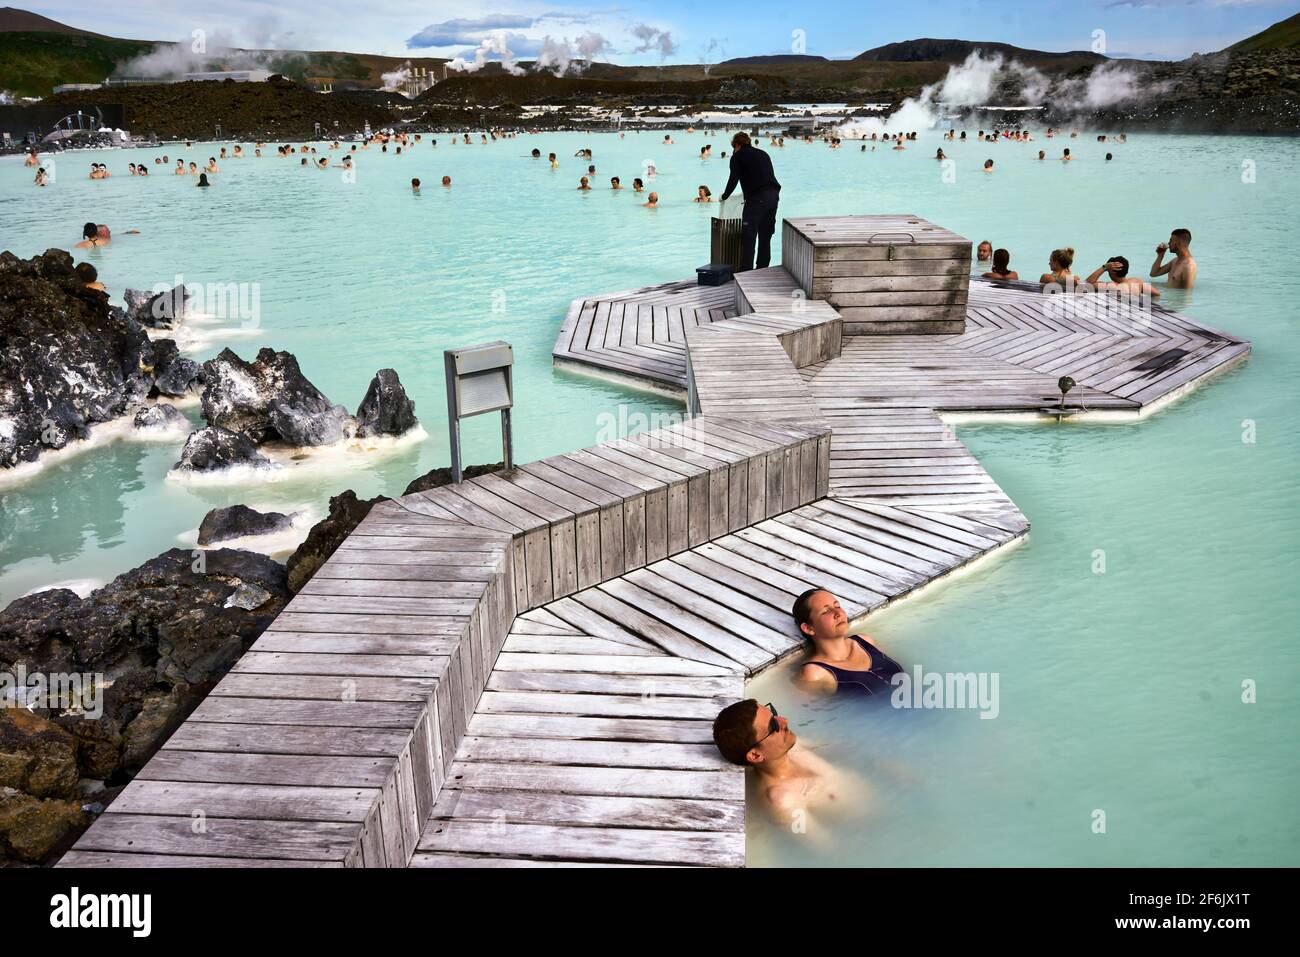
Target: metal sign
x=479 y=380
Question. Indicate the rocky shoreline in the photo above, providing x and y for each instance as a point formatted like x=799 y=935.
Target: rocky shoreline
x=151 y=644
x=70 y=361
x=143 y=650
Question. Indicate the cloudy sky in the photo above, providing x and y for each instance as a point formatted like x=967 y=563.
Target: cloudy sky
x=678 y=31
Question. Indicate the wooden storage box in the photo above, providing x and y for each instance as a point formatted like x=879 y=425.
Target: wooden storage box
x=886 y=275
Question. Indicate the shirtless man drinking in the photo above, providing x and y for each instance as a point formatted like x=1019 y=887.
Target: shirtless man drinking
x=1182 y=268
x=794 y=783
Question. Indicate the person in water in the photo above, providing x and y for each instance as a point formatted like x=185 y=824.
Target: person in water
x=703 y=195
x=415 y=185
x=752 y=169
x=652 y=201
x=1116 y=268
x=838 y=661
x=88 y=276
x=637 y=185
x=203 y=180
x=1001 y=266
x=984 y=251
x=614 y=183
x=584 y=184
x=1058 y=264
x=90 y=237
x=794 y=784
x=1182 y=268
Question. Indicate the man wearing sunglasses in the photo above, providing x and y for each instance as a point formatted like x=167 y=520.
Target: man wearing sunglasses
x=792 y=780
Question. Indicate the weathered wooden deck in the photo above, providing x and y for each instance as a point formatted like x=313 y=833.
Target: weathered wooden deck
x=522 y=670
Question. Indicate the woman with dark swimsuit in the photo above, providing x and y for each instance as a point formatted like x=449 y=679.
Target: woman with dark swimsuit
x=839 y=661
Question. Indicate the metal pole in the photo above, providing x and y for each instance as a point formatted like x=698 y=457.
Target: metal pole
x=507 y=446
x=455 y=450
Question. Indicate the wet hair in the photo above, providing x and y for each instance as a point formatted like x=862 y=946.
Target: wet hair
x=86 y=272
x=1123 y=270
x=988 y=163
x=416 y=182
x=1109 y=157
x=740 y=139
x=733 y=730
x=802 y=610
x=1184 y=234
x=89 y=231
x=1063 y=257
x=637 y=182
x=1001 y=260
x=706 y=190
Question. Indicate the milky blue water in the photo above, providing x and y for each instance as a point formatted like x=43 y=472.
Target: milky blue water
x=1119 y=692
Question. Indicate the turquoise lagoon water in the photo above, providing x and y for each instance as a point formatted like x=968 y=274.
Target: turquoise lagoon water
x=1119 y=692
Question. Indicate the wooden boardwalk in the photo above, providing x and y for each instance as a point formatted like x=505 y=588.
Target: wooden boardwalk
x=522 y=670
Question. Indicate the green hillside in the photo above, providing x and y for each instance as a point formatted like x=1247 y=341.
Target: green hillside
x=32 y=64
x=1281 y=35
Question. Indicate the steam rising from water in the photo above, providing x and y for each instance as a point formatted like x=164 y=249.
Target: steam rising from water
x=396 y=80
x=561 y=56
x=492 y=45
x=982 y=81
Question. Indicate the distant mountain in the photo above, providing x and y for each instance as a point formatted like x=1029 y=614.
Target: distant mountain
x=13 y=20
x=954 y=51
x=773 y=58
x=1282 y=35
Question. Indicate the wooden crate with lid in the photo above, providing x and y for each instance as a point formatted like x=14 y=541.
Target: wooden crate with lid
x=886 y=275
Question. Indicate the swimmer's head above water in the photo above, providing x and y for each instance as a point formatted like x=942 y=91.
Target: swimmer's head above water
x=749 y=733
x=818 y=616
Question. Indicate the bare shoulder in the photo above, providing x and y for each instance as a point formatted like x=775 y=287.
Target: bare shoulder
x=815 y=678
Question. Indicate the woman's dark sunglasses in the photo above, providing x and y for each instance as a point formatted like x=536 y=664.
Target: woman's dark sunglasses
x=773 y=726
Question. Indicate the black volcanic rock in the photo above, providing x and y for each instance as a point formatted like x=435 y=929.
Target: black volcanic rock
x=160 y=417
x=269 y=399
x=67 y=359
x=161 y=635
x=158 y=310
x=386 y=409
x=214 y=448
x=174 y=374
x=238 y=521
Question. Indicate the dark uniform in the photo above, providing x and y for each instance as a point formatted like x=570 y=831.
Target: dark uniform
x=752 y=168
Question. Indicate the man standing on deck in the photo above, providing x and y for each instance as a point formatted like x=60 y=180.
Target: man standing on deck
x=752 y=168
